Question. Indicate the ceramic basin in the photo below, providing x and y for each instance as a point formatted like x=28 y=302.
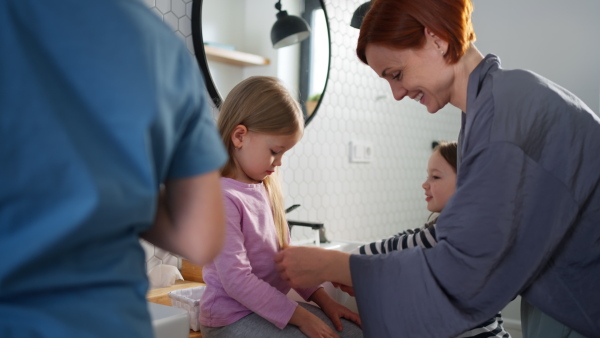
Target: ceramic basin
x=168 y=321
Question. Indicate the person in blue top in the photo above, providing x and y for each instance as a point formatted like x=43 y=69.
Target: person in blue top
x=100 y=105
x=525 y=217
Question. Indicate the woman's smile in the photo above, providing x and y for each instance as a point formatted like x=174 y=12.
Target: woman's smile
x=419 y=97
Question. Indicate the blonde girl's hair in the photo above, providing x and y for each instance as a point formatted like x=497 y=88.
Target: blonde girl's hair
x=263 y=105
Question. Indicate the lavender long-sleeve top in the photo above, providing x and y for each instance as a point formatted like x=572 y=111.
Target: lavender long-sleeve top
x=242 y=279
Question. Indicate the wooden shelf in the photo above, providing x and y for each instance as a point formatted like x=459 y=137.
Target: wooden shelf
x=234 y=57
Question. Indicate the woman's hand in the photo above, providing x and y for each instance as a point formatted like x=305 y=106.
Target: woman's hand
x=306 y=267
x=310 y=324
x=333 y=309
x=347 y=289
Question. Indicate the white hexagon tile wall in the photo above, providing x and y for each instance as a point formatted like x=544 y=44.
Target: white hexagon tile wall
x=362 y=201
x=355 y=201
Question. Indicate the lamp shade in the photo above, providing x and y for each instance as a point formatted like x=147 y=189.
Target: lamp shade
x=359 y=14
x=288 y=30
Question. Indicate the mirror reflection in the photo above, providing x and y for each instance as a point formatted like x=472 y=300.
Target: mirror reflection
x=235 y=37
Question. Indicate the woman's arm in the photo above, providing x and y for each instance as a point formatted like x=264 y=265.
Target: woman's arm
x=190 y=220
x=485 y=253
x=311 y=266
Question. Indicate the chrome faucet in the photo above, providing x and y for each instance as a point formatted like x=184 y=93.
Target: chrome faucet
x=319 y=228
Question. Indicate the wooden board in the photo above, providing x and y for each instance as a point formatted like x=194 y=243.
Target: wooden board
x=234 y=57
x=191 y=272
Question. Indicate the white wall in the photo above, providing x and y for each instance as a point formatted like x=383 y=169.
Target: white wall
x=362 y=201
x=557 y=39
x=217 y=19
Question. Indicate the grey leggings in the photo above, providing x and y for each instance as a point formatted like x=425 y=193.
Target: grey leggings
x=254 y=325
x=536 y=324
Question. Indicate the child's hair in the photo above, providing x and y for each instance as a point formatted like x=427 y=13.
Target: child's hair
x=449 y=151
x=263 y=105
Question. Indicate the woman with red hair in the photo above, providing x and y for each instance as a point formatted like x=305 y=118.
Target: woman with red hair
x=525 y=218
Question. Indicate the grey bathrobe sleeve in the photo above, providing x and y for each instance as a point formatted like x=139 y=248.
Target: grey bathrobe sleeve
x=525 y=214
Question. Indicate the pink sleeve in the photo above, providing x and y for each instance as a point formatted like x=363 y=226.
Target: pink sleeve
x=235 y=273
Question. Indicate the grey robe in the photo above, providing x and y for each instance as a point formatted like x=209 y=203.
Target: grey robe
x=525 y=219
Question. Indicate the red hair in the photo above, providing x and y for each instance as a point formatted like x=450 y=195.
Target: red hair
x=400 y=24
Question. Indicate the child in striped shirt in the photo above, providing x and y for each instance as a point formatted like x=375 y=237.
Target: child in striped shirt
x=439 y=187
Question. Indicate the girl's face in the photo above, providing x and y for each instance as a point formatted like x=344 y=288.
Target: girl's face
x=440 y=183
x=423 y=75
x=256 y=154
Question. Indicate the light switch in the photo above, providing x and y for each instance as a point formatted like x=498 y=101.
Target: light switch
x=361 y=152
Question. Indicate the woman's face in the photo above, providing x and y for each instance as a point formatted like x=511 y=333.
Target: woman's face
x=440 y=183
x=422 y=75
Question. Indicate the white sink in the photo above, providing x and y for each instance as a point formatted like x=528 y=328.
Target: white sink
x=169 y=322
x=345 y=246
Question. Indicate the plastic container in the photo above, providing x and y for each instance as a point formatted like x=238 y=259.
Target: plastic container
x=189 y=300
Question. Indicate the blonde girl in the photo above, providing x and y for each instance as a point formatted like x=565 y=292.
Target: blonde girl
x=245 y=297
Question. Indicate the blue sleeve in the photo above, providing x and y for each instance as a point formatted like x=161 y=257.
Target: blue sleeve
x=492 y=242
x=198 y=147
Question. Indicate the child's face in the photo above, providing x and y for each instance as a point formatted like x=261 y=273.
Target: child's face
x=440 y=183
x=260 y=154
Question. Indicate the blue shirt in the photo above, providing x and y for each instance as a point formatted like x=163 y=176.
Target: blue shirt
x=99 y=103
x=525 y=219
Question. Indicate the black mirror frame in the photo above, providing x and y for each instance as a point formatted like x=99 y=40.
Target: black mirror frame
x=198 y=43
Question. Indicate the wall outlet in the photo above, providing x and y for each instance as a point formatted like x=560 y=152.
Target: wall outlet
x=361 y=152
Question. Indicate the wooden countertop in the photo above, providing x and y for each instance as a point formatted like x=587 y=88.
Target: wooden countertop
x=160 y=296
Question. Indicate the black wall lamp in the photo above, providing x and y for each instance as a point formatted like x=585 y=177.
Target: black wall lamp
x=359 y=14
x=288 y=29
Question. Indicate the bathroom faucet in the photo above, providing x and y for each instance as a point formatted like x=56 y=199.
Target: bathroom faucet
x=319 y=228
x=312 y=225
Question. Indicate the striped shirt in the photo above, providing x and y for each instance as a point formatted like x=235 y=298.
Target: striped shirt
x=425 y=237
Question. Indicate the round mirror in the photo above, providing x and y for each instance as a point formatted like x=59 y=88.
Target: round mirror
x=232 y=41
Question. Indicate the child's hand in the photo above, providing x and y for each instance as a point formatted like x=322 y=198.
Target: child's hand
x=347 y=289
x=310 y=324
x=333 y=309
